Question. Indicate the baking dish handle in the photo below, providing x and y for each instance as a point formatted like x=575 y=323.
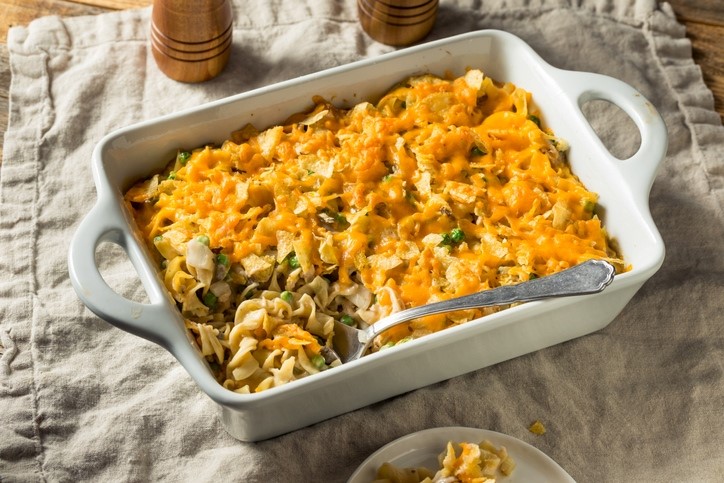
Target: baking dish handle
x=103 y=223
x=640 y=169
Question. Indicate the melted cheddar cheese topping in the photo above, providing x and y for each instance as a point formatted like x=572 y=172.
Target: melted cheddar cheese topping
x=442 y=188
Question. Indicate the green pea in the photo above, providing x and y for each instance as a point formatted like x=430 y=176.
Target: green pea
x=477 y=151
x=203 y=239
x=222 y=259
x=183 y=157
x=347 y=320
x=318 y=361
x=210 y=300
x=457 y=235
x=287 y=296
x=292 y=260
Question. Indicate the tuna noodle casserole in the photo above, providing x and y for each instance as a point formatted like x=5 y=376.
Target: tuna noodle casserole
x=443 y=188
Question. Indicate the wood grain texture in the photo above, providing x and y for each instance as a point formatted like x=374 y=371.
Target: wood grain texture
x=708 y=52
x=395 y=22
x=191 y=39
x=704 y=21
x=707 y=12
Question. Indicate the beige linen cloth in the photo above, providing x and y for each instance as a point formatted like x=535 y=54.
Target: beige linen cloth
x=641 y=400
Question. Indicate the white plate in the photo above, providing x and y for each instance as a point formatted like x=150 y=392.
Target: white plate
x=422 y=449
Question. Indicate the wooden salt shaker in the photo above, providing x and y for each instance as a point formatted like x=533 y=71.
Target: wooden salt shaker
x=191 y=39
x=397 y=22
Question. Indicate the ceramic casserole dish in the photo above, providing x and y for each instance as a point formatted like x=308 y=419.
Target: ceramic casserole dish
x=125 y=156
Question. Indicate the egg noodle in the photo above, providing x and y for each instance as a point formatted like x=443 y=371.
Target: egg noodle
x=443 y=188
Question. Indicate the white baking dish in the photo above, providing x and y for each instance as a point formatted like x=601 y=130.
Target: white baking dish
x=134 y=152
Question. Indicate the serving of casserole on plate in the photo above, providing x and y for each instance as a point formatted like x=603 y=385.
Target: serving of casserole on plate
x=242 y=234
x=425 y=449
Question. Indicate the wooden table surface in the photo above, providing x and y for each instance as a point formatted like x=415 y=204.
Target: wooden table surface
x=704 y=23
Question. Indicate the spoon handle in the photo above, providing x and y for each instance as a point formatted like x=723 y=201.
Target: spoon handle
x=589 y=277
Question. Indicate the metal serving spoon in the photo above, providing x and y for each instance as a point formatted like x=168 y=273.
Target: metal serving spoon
x=592 y=276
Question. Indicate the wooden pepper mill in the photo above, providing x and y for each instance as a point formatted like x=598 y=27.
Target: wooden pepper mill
x=397 y=22
x=191 y=39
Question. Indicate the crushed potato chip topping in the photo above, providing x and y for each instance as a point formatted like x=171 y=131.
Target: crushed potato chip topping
x=537 y=428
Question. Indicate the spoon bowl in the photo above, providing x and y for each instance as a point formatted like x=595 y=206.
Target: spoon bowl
x=350 y=343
